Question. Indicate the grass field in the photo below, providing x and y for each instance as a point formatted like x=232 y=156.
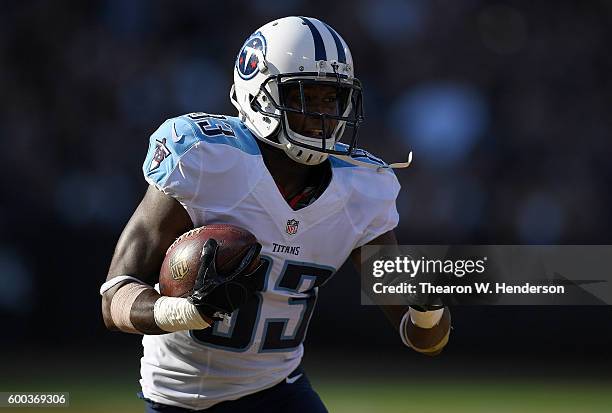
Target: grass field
x=93 y=395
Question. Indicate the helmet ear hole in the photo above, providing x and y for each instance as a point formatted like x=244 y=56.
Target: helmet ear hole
x=255 y=106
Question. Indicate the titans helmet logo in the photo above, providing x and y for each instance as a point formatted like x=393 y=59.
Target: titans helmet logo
x=247 y=62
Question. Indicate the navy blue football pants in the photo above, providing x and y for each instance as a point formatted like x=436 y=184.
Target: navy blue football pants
x=295 y=397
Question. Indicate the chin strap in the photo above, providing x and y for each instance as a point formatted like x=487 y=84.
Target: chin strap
x=379 y=168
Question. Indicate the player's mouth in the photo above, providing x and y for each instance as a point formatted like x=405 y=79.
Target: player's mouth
x=313 y=133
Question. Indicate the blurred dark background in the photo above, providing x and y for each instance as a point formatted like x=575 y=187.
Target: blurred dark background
x=505 y=104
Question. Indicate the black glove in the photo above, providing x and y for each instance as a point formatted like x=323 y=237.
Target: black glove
x=217 y=296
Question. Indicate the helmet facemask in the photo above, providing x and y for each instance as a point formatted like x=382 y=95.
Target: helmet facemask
x=315 y=111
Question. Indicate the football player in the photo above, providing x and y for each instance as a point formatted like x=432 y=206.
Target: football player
x=279 y=171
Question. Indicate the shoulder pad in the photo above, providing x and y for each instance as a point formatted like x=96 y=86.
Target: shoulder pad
x=176 y=136
x=366 y=156
x=370 y=183
x=224 y=130
x=166 y=146
x=358 y=154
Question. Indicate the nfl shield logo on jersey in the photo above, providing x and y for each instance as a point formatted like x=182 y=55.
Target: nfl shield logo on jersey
x=292 y=226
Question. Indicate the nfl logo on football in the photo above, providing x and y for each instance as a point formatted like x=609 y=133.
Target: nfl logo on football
x=292 y=226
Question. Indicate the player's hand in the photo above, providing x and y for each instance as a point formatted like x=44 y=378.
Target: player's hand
x=216 y=295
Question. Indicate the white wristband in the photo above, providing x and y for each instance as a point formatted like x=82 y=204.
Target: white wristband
x=425 y=319
x=176 y=314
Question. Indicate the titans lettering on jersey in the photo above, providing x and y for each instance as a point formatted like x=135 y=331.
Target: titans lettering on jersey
x=212 y=165
x=286 y=249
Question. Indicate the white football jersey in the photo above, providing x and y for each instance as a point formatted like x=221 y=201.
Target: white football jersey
x=212 y=165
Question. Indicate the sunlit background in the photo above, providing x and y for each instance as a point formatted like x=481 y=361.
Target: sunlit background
x=505 y=105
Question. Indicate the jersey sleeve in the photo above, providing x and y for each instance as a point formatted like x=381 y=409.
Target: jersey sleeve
x=206 y=162
x=167 y=165
x=378 y=195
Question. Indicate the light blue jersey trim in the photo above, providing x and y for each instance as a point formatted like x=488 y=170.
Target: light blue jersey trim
x=224 y=130
x=176 y=136
x=166 y=147
x=358 y=154
x=339 y=163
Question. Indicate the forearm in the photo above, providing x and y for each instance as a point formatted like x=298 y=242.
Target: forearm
x=129 y=307
x=134 y=307
x=129 y=303
x=426 y=332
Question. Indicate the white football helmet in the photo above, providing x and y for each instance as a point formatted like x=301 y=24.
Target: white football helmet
x=292 y=54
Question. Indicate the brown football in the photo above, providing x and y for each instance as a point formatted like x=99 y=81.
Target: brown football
x=180 y=267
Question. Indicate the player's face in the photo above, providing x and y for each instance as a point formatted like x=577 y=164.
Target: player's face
x=318 y=99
